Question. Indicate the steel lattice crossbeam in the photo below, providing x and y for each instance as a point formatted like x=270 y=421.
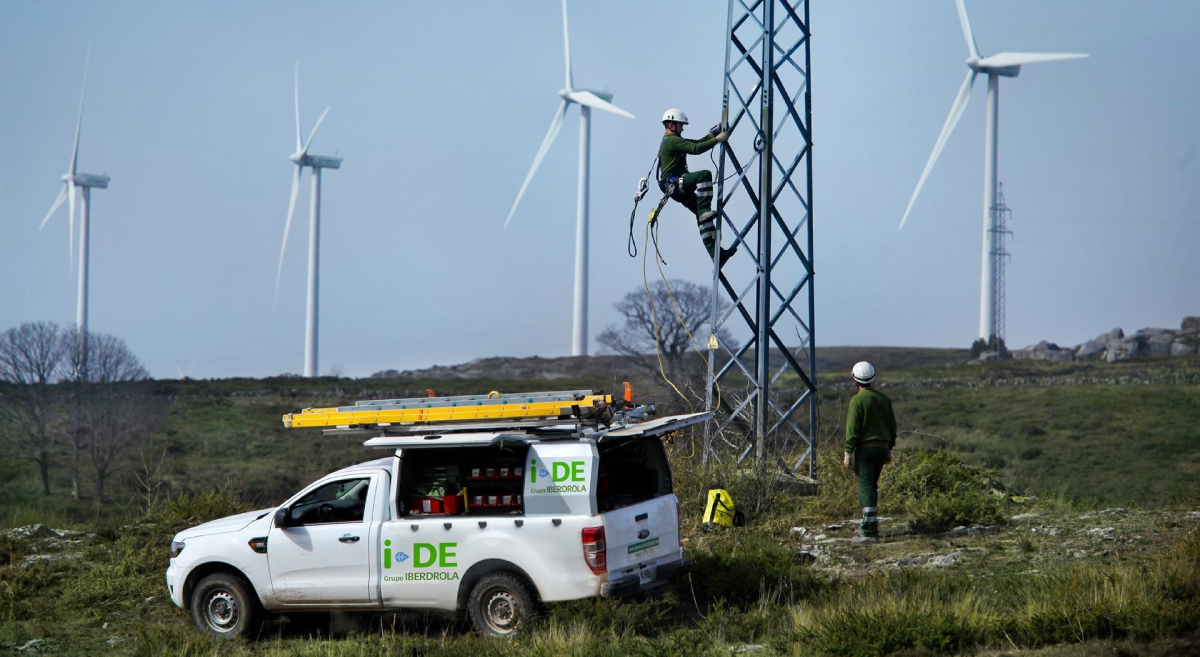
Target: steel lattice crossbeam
x=766 y=387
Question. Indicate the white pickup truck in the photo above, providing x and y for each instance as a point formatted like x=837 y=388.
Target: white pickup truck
x=492 y=523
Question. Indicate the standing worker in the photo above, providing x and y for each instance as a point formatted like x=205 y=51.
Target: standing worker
x=870 y=437
x=694 y=190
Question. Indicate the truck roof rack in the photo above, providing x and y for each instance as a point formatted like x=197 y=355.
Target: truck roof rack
x=572 y=409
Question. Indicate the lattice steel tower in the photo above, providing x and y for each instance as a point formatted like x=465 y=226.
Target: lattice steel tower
x=1000 y=255
x=764 y=388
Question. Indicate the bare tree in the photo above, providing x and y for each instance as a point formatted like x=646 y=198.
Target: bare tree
x=635 y=339
x=111 y=414
x=31 y=361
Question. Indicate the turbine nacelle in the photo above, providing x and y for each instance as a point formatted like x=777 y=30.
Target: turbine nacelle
x=87 y=180
x=980 y=65
x=315 y=161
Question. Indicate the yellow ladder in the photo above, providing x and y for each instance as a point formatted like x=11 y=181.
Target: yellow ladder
x=564 y=405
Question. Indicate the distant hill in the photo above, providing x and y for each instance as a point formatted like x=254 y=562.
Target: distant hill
x=617 y=368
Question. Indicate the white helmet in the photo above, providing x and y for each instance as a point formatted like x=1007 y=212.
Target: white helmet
x=863 y=373
x=676 y=115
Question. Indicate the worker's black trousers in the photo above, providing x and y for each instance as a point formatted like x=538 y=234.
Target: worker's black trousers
x=695 y=192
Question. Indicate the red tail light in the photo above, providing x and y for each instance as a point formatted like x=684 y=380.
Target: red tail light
x=594 y=550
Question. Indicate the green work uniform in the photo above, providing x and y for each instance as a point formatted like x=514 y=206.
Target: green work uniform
x=870 y=437
x=694 y=190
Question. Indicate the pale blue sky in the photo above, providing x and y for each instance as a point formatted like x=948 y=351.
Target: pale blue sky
x=439 y=108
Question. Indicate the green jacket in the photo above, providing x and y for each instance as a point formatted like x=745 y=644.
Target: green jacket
x=870 y=421
x=673 y=152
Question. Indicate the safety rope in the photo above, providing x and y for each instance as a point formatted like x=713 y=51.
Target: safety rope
x=652 y=238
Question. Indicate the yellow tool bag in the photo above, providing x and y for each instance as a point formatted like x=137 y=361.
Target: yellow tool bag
x=720 y=509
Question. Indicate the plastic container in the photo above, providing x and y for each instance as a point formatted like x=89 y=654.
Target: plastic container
x=428 y=504
x=452 y=504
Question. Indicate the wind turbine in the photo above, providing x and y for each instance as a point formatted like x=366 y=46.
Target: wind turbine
x=586 y=99
x=85 y=181
x=1008 y=65
x=302 y=158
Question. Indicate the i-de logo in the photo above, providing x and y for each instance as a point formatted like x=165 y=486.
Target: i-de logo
x=425 y=555
x=558 y=472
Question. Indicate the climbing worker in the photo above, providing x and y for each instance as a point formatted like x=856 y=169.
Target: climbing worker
x=693 y=190
x=870 y=437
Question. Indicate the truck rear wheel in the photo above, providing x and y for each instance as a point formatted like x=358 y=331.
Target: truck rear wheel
x=501 y=605
x=224 y=607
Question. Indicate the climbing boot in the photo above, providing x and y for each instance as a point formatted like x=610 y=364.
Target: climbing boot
x=725 y=255
x=865 y=540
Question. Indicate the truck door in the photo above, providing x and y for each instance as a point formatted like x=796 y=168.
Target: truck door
x=636 y=498
x=323 y=557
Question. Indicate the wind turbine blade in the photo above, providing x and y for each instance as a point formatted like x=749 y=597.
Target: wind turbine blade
x=79 y=122
x=966 y=28
x=555 y=125
x=956 y=112
x=62 y=196
x=287 y=228
x=297 y=88
x=592 y=100
x=1018 y=58
x=567 y=47
x=71 y=222
x=314 y=130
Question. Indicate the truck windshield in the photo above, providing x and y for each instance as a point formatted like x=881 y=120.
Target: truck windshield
x=632 y=471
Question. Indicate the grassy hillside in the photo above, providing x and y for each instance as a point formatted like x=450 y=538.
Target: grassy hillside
x=1104 y=563
x=1115 y=433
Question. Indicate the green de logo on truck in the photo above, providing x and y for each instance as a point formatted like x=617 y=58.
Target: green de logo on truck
x=558 y=473
x=424 y=555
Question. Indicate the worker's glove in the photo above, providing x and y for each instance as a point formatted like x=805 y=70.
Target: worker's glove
x=723 y=136
x=848 y=461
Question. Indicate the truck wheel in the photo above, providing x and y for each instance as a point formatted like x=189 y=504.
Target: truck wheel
x=223 y=606
x=500 y=605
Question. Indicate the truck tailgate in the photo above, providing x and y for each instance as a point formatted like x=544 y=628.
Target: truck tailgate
x=642 y=536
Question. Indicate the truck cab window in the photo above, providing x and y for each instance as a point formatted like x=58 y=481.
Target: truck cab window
x=337 y=501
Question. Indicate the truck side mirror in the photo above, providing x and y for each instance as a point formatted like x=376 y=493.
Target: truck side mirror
x=281 y=517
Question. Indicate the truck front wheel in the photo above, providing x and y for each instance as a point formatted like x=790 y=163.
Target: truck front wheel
x=501 y=604
x=223 y=607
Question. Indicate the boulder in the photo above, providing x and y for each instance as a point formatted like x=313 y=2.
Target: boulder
x=1125 y=349
x=990 y=357
x=1182 y=348
x=1044 y=351
x=1111 y=337
x=1156 y=343
x=1190 y=325
x=1091 y=350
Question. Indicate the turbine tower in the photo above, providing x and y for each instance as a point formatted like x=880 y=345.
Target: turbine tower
x=1008 y=65
x=84 y=182
x=302 y=158
x=586 y=99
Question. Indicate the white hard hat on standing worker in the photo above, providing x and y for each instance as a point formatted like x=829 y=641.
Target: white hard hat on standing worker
x=675 y=115
x=863 y=373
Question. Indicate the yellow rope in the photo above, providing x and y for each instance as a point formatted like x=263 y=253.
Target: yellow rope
x=654 y=316
x=679 y=317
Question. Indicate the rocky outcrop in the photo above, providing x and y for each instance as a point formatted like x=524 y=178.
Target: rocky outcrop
x=1044 y=351
x=1147 y=343
x=1116 y=346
